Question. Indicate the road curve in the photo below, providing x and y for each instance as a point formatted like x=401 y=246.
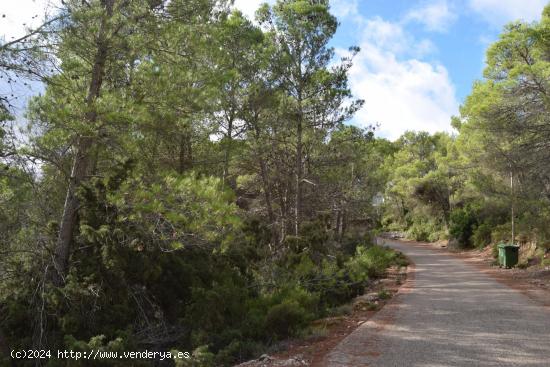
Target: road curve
x=449 y=314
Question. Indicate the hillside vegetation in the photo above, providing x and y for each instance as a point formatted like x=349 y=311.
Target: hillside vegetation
x=188 y=181
x=463 y=187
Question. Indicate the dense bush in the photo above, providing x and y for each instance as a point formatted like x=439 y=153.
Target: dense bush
x=419 y=232
x=149 y=276
x=426 y=229
x=481 y=236
x=371 y=262
x=285 y=319
x=462 y=224
x=501 y=233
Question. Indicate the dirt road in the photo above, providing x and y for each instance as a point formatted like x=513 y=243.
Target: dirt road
x=449 y=314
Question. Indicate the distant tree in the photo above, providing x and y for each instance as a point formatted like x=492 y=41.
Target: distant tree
x=316 y=94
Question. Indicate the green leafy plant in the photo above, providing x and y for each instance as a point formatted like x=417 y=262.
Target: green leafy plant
x=481 y=236
x=462 y=224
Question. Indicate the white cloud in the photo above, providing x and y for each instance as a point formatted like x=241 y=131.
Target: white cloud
x=249 y=7
x=401 y=91
x=435 y=15
x=344 y=8
x=498 y=12
x=392 y=37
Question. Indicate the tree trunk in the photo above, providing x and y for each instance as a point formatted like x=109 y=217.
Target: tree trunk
x=264 y=176
x=337 y=223
x=227 y=152
x=298 y=197
x=267 y=190
x=82 y=157
x=277 y=235
x=284 y=210
x=181 y=165
x=343 y=225
x=185 y=152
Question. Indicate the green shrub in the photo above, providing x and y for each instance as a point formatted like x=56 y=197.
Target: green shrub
x=501 y=233
x=401 y=260
x=342 y=310
x=349 y=244
x=236 y=351
x=371 y=262
x=286 y=319
x=426 y=229
x=481 y=236
x=418 y=232
x=333 y=285
x=545 y=247
x=461 y=226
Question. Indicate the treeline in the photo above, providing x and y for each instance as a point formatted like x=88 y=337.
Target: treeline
x=185 y=181
x=467 y=187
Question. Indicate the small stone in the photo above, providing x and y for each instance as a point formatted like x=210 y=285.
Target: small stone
x=264 y=357
x=369 y=297
x=292 y=362
x=372 y=297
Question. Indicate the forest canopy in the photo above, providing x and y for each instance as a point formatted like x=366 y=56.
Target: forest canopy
x=189 y=179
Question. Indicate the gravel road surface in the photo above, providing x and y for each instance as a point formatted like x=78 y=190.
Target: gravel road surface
x=449 y=314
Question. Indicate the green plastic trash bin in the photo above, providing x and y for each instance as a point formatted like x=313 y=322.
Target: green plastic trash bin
x=508 y=255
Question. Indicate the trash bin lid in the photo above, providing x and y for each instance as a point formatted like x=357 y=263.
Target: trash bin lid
x=507 y=245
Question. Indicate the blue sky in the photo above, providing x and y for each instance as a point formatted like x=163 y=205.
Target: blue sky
x=418 y=58
x=418 y=61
